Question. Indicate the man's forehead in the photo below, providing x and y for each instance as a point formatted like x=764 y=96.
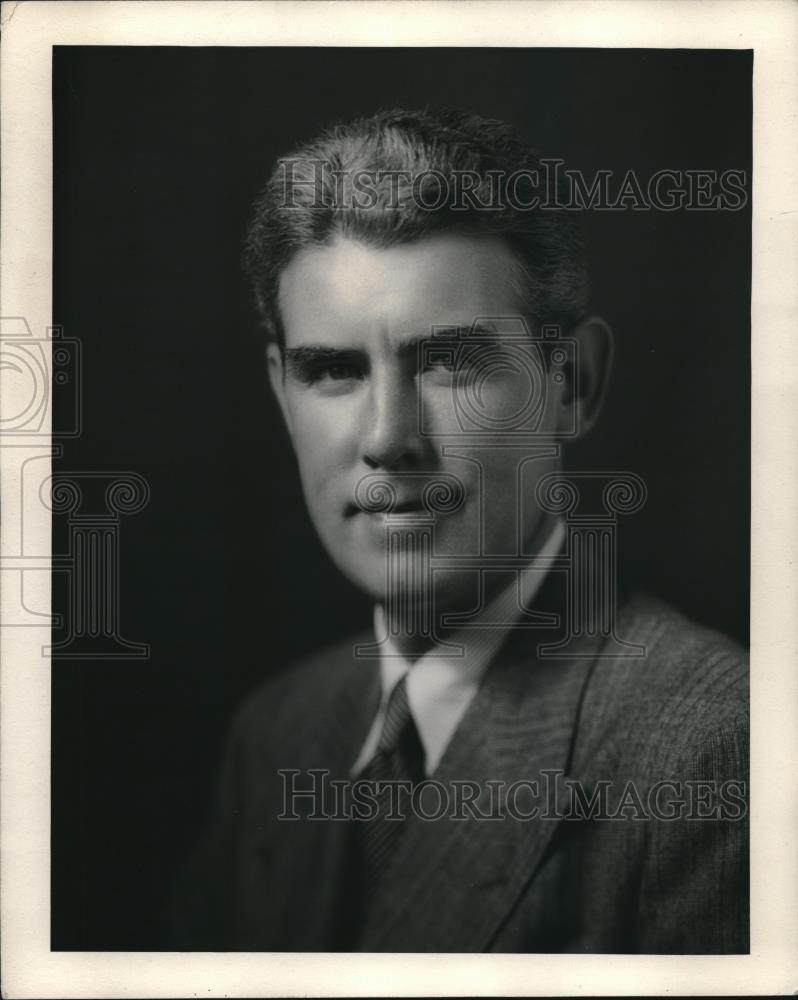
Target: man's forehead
x=439 y=282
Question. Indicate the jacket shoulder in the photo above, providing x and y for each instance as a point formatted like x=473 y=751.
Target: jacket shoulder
x=688 y=692
x=681 y=656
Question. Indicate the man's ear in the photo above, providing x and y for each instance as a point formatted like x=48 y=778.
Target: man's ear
x=274 y=359
x=587 y=377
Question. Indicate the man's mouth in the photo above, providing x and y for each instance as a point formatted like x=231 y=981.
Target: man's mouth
x=432 y=494
x=410 y=505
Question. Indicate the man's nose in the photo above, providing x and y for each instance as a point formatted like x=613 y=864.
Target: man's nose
x=391 y=438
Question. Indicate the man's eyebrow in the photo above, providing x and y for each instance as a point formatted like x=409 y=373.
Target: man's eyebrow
x=442 y=332
x=300 y=358
x=460 y=330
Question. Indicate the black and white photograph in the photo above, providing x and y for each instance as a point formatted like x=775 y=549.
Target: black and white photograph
x=382 y=509
x=392 y=425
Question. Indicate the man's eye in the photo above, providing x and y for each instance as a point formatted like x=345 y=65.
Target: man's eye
x=339 y=372
x=443 y=365
x=461 y=367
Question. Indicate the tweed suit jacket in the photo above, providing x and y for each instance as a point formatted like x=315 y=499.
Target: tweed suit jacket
x=521 y=874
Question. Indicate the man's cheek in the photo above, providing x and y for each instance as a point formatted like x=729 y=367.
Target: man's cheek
x=312 y=448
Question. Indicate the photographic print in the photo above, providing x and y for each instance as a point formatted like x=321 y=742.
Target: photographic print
x=378 y=474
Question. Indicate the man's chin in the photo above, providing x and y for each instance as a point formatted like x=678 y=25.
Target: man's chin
x=409 y=596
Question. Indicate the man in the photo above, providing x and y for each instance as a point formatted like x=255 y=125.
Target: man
x=518 y=758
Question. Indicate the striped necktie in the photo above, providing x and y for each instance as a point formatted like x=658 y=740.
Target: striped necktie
x=399 y=758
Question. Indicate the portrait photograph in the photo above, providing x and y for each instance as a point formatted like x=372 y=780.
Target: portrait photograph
x=391 y=428
x=265 y=452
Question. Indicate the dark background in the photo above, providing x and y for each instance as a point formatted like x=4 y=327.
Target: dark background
x=158 y=154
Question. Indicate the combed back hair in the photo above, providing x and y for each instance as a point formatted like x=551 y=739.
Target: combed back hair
x=408 y=164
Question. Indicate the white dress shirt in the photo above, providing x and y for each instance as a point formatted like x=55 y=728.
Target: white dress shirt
x=440 y=688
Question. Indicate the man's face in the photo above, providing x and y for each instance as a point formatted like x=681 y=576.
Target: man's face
x=352 y=392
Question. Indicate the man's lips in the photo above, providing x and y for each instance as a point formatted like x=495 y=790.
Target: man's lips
x=439 y=493
x=410 y=505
